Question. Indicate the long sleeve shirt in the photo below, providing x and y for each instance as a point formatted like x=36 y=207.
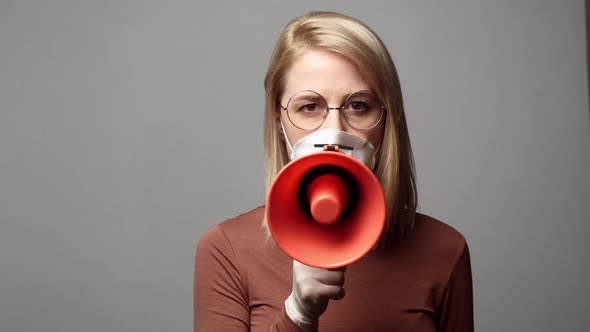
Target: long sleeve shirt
x=422 y=283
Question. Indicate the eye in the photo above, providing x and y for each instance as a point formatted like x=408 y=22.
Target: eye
x=357 y=106
x=310 y=108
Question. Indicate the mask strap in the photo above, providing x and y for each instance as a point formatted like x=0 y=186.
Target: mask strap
x=285 y=134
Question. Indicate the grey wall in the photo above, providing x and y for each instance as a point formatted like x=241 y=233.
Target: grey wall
x=128 y=128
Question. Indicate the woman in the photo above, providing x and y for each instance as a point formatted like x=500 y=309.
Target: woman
x=417 y=278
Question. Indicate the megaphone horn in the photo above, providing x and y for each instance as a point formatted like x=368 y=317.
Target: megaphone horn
x=325 y=209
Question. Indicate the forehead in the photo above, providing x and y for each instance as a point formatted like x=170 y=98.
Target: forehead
x=329 y=74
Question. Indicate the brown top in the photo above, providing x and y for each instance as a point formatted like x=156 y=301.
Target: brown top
x=423 y=283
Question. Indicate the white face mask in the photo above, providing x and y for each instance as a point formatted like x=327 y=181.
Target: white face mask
x=354 y=146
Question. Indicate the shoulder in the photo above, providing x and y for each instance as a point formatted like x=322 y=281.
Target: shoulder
x=436 y=242
x=242 y=239
x=244 y=228
x=437 y=231
x=240 y=245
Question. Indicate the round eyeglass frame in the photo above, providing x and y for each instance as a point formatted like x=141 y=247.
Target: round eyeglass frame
x=341 y=109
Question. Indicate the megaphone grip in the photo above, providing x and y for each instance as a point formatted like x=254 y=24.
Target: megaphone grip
x=328 y=196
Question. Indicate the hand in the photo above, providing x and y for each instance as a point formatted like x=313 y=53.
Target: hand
x=313 y=288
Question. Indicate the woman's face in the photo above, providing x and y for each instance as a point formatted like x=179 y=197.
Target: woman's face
x=334 y=78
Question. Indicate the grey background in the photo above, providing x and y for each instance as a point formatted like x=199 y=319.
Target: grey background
x=128 y=128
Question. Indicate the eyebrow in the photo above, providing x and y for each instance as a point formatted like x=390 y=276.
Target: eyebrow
x=309 y=96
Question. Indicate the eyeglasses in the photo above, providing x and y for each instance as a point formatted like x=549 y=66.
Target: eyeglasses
x=308 y=110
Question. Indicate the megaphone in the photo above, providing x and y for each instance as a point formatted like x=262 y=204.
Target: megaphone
x=325 y=209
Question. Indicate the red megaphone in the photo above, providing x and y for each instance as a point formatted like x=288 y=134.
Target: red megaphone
x=325 y=209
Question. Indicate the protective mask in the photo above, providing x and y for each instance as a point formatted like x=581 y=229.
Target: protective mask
x=352 y=145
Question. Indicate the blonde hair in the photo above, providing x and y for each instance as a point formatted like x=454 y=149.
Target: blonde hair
x=352 y=39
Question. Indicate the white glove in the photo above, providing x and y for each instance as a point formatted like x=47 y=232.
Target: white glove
x=313 y=288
